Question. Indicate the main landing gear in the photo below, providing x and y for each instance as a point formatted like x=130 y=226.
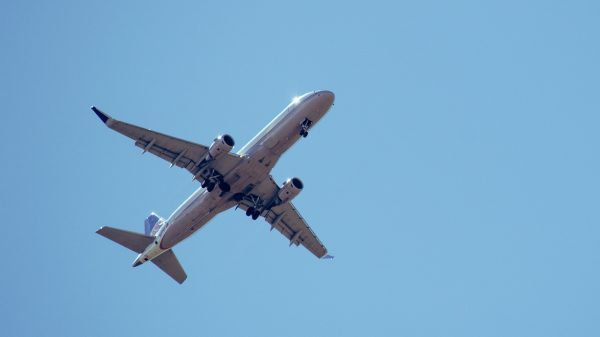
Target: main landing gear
x=256 y=209
x=214 y=179
x=253 y=212
x=210 y=186
x=304 y=127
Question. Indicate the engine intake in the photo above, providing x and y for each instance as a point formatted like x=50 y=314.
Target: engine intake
x=221 y=144
x=290 y=189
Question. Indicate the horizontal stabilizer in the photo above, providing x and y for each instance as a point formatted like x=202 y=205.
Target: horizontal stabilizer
x=134 y=241
x=168 y=263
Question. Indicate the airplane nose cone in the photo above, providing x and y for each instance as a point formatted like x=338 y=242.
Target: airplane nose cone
x=327 y=97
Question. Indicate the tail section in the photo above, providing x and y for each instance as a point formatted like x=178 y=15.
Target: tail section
x=168 y=263
x=134 y=241
x=144 y=245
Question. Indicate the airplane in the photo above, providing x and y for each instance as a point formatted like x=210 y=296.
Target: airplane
x=227 y=180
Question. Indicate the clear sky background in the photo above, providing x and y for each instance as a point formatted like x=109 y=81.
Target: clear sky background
x=455 y=180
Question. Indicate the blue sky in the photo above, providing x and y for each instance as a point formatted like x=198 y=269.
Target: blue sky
x=456 y=178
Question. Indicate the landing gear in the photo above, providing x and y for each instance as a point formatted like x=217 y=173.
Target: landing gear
x=304 y=127
x=253 y=212
x=210 y=187
x=225 y=187
x=212 y=178
x=257 y=207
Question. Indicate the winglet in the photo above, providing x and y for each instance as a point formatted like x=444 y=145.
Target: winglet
x=104 y=117
x=327 y=257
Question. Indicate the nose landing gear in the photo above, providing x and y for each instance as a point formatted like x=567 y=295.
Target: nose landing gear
x=304 y=127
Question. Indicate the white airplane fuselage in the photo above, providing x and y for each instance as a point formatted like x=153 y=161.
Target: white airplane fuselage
x=260 y=155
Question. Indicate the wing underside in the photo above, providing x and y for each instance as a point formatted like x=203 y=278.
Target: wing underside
x=287 y=220
x=176 y=151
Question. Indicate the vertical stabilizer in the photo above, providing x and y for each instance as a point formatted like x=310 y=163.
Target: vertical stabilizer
x=152 y=224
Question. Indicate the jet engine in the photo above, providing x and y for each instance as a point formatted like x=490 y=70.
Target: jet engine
x=221 y=144
x=290 y=189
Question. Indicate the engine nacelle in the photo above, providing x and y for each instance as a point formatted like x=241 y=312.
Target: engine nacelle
x=222 y=144
x=290 y=189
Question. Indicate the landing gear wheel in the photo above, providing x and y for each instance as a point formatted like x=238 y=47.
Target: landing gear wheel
x=255 y=214
x=204 y=183
x=250 y=211
x=224 y=186
x=210 y=187
x=304 y=134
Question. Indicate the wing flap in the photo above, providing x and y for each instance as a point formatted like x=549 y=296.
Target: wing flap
x=176 y=155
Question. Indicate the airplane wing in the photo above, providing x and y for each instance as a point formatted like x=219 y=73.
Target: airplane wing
x=177 y=151
x=287 y=220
